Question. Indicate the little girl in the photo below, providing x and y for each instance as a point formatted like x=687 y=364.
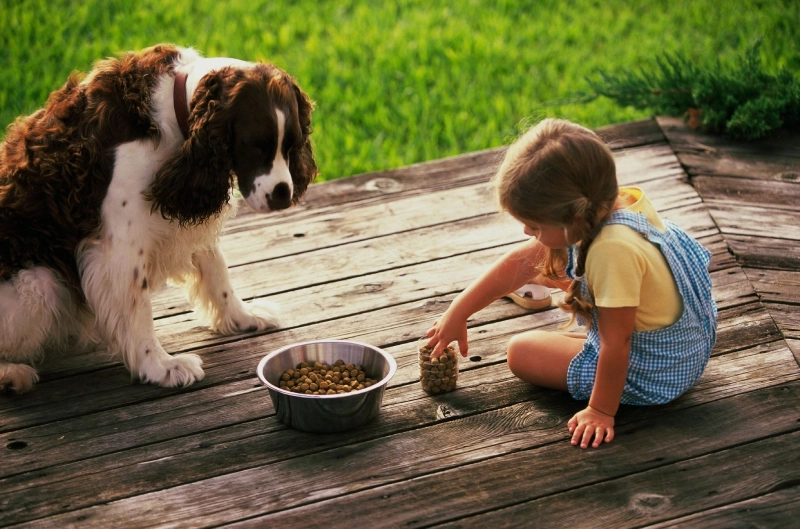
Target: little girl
x=640 y=285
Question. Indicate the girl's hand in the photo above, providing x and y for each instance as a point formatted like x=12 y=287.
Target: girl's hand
x=590 y=423
x=446 y=330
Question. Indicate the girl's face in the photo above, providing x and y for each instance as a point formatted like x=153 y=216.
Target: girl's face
x=552 y=236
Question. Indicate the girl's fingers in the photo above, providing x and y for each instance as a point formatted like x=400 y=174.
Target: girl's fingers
x=576 y=435
x=587 y=437
x=572 y=423
x=609 y=434
x=598 y=436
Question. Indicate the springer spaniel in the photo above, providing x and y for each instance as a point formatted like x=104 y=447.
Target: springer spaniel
x=122 y=182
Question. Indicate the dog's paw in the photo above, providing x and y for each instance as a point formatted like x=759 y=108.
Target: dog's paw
x=18 y=378
x=176 y=371
x=258 y=315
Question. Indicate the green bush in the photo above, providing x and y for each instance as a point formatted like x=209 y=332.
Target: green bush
x=743 y=100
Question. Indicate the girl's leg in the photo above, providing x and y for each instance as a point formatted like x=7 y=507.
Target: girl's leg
x=542 y=358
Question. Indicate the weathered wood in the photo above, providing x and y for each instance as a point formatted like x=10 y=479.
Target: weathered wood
x=633 y=134
x=777 y=509
x=668 y=492
x=756 y=220
x=337 y=300
x=776 y=159
x=377 y=258
x=516 y=442
x=304 y=229
x=775 y=286
x=229 y=379
x=748 y=192
x=764 y=252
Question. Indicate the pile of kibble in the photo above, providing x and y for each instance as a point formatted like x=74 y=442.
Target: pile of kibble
x=324 y=379
x=438 y=375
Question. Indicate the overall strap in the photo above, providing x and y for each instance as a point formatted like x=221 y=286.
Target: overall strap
x=632 y=219
x=635 y=221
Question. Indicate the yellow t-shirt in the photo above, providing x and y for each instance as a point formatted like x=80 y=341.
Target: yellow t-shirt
x=623 y=269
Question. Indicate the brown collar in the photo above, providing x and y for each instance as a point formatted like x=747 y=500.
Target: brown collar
x=179 y=101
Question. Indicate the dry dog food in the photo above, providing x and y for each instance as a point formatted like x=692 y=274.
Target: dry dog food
x=438 y=375
x=322 y=379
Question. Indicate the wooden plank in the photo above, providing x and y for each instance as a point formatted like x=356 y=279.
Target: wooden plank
x=669 y=492
x=358 y=295
x=335 y=257
x=86 y=388
x=745 y=326
x=632 y=134
x=787 y=318
x=775 y=286
x=764 y=251
x=777 y=509
x=776 y=159
x=721 y=257
x=491 y=456
x=232 y=382
x=305 y=229
x=334 y=301
x=756 y=221
x=748 y=192
x=237 y=447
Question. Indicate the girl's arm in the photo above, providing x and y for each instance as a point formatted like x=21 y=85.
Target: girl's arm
x=508 y=273
x=597 y=420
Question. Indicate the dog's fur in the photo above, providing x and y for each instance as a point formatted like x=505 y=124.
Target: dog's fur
x=102 y=200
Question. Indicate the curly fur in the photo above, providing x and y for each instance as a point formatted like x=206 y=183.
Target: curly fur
x=102 y=200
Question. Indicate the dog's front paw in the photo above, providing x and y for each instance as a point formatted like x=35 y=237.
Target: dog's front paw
x=173 y=371
x=258 y=315
x=18 y=378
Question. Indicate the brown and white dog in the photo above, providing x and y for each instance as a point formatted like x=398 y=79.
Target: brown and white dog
x=122 y=182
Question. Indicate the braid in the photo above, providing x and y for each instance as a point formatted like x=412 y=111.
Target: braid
x=574 y=301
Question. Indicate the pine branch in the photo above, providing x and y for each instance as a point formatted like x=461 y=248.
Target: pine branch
x=743 y=101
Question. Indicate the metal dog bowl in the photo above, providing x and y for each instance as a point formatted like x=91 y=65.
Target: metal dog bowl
x=327 y=413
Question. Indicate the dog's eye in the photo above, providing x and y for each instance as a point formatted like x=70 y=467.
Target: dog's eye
x=257 y=151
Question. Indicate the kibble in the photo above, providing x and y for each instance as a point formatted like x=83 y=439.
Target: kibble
x=323 y=379
x=438 y=375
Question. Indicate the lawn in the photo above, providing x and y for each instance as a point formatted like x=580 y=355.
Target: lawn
x=405 y=81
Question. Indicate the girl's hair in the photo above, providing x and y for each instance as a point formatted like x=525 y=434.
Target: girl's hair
x=554 y=174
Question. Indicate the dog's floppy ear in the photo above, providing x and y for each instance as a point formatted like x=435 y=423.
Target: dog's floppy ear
x=302 y=164
x=195 y=183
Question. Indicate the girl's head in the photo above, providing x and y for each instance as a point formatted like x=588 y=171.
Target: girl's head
x=559 y=174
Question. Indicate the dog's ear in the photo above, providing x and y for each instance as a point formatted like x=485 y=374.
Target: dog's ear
x=195 y=183
x=302 y=164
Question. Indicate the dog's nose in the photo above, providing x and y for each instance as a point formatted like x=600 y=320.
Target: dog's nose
x=281 y=197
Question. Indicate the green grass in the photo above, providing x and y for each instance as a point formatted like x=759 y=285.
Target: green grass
x=406 y=81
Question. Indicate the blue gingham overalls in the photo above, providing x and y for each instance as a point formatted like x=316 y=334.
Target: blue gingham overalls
x=665 y=362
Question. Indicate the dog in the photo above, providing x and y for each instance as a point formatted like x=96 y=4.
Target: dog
x=122 y=182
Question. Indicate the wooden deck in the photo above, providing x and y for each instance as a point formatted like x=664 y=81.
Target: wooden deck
x=376 y=258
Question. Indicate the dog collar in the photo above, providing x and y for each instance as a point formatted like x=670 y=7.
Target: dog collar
x=180 y=103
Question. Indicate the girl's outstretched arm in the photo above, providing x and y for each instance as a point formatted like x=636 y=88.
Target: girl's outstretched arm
x=508 y=273
x=597 y=420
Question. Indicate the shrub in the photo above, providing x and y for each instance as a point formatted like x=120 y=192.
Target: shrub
x=743 y=101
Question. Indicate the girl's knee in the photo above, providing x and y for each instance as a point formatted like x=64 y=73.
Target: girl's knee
x=542 y=357
x=520 y=349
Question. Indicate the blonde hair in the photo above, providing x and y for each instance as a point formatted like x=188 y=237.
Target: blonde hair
x=554 y=174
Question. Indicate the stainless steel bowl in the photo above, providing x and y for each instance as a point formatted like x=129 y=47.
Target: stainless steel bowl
x=327 y=413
